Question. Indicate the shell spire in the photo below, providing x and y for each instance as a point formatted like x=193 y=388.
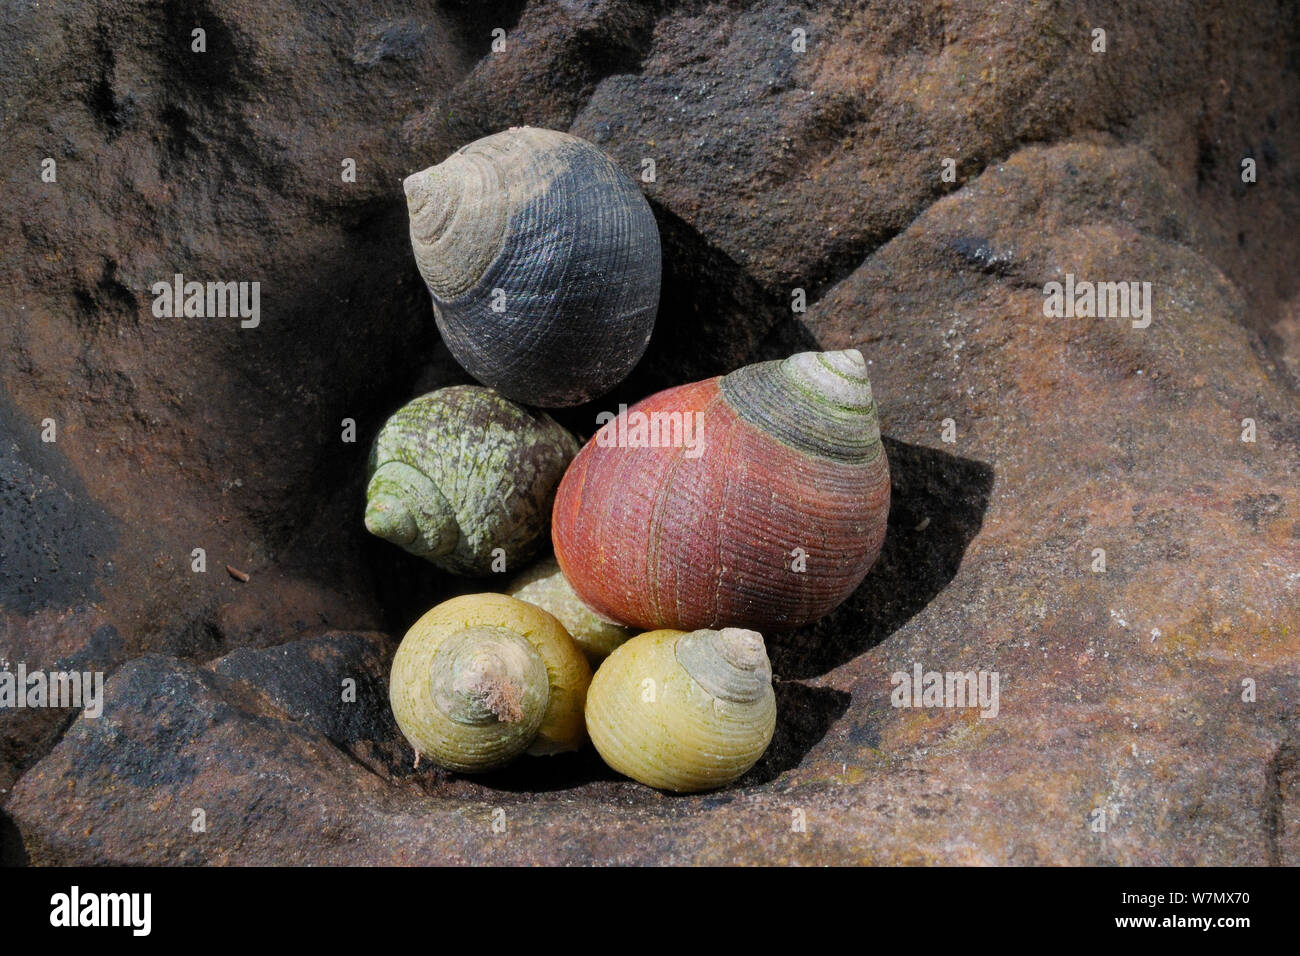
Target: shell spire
x=458 y=211
x=839 y=377
x=819 y=402
x=730 y=664
x=404 y=506
x=486 y=675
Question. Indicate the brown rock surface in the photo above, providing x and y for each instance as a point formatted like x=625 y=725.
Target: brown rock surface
x=1119 y=691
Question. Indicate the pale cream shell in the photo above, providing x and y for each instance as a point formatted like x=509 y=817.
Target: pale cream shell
x=545 y=585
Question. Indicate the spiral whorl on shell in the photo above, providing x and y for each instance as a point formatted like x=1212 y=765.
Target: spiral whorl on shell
x=543 y=262
x=460 y=472
x=483 y=678
x=682 y=711
x=769 y=523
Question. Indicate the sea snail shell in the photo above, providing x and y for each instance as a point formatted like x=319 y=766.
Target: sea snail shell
x=543 y=261
x=460 y=472
x=483 y=678
x=682 y=711
x=769 y=521
x=544 y=585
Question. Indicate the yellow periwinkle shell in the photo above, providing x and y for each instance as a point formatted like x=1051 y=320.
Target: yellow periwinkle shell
x=483 y=678
x=684 y=711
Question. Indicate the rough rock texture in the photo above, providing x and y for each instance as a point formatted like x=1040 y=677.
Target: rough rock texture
x=1121 y=692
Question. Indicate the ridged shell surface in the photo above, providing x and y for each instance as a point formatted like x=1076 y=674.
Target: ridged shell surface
x=543 y=261
x=550 y=704
x=482 y=475
x=769 y=523
x=665 y=710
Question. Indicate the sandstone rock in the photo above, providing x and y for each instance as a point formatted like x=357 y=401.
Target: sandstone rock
x=1121 y=692
x=337 y=685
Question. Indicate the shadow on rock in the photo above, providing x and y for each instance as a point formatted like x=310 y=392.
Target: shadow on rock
x=803 y=716
x=549 y=774
x=713 y=318
x=12 y=851
x=937 y=505
x=55 y=541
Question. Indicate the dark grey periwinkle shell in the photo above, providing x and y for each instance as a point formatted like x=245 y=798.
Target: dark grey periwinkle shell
x=569 y=241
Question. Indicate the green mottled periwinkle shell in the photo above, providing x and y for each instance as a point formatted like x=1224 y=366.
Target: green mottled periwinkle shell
x=460 y=472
